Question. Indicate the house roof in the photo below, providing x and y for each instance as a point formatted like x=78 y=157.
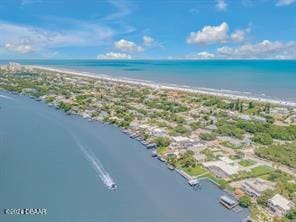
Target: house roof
x=258 y=184
x=279 y=200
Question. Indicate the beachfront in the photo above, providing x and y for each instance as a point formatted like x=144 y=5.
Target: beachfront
x=210 y=92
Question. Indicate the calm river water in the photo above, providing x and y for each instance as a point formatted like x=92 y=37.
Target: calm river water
x=42 y=166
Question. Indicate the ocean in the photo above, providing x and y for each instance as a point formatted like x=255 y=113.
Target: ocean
x=273 y=79
x=53 y=161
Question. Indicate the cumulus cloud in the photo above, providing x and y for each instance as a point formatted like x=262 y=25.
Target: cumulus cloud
x=263 y=50
x=285 y=2
x=221 y=5
x=23 y=38
x=201 y=55
x=238 y=35
x=148 y=40
x=217 y=34
x=127 y=46
x=114 y=55
x=22 y=47
x=209 y=35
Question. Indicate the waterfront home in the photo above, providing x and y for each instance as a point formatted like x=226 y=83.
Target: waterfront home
x=158 y=132
x=223 y=168
x=279 y=205
x=141 y=126
x=254 y=187
x=228 y=202
x=183 y=142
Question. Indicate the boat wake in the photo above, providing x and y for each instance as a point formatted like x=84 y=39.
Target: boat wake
x=98 y=167
x=7 y=97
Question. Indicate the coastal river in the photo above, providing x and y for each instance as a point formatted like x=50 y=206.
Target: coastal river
x=50 y=160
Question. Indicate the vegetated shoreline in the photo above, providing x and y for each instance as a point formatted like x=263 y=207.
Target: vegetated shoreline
x=181 y=172
x=210 y=92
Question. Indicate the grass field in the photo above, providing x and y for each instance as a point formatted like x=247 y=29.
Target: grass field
x=261 y=170
x=247 y=163
x=194 y=171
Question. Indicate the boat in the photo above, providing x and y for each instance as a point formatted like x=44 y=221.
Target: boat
x=228 y=202
x=112 y=186
x=161 y=159
x=151 y=146
x=171 y=167
x=193 y=182
x=248 y=219
x=154 y=153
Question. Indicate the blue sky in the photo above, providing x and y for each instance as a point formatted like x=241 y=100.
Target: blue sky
x=155 y=29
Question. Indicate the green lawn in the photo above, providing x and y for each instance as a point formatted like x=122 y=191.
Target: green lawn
x=230 y=145
x=258 y=171
x=194 y=171
x=261 y=170
x=161 y=150
x=246 y=163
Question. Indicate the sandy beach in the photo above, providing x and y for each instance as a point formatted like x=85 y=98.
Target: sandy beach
x=212 y=92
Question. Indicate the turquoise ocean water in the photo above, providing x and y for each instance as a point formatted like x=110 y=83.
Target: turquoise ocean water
x=274 y=79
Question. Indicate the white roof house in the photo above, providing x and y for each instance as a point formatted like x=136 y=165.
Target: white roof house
x=244 y=117
x=279 y=205
x=256 y=186
x=222 y=168
x=226 y=159
x=181 y=139
x=184 y=142
x=158 y=132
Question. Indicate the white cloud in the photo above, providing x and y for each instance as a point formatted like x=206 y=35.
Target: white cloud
x=284 y=2
x=22 y=47
x=122 y=9
x=217 y=34
x=127 y=46
x=209 y=35
x=114 y=55
x=200 y=55
x=262 y=50
x=221 y=5
x=148 y=40
x=238 y=35
x=17 y=38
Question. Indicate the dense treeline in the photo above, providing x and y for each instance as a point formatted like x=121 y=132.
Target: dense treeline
x=275 y=132
x=285 y=154
x=167 y=105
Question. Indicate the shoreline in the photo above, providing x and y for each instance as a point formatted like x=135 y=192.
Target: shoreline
x=150 y=84
x=128 y=133
x=204 y=185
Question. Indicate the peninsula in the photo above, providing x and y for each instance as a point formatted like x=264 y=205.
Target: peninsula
x=244 y=145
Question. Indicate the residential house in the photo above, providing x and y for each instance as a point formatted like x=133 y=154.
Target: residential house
x=254 y=187
x=279 y=205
